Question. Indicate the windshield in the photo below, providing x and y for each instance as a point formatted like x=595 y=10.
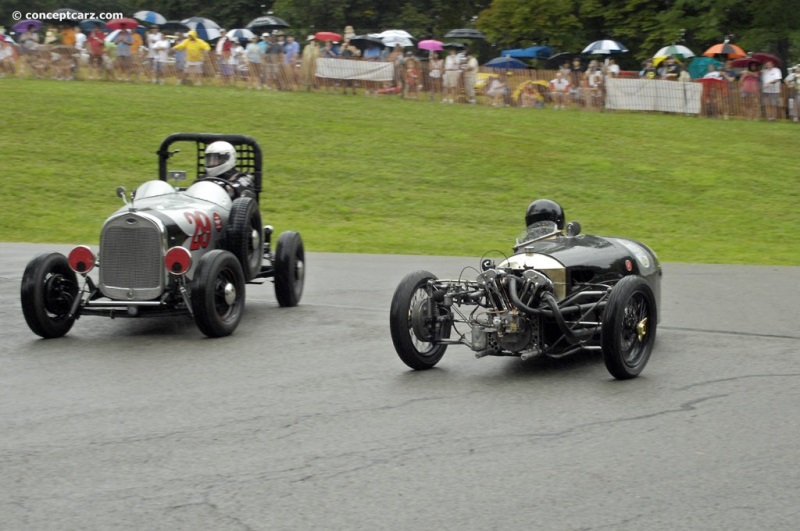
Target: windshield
x=537 y=231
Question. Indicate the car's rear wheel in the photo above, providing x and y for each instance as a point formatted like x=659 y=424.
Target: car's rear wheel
x=415 y=329
x=218 y=292
x=290 y=269
x=48 y=292
x=629 y=327
x=244 y=236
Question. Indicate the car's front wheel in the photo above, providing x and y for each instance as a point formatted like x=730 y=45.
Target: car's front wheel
x=629 y=327
x=218 y=293
x=48 y=292
x=415 y=326
x=290 y=268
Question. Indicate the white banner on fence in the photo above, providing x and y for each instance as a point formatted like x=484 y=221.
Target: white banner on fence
x=653 y=95
x=350 y=69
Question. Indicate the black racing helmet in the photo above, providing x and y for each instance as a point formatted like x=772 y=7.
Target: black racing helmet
x=544 y=210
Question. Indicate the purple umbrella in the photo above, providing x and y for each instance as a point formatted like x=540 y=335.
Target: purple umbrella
x=22 y=26
x=430 y=45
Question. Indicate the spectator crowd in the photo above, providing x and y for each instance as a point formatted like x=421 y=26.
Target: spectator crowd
x=277 y=61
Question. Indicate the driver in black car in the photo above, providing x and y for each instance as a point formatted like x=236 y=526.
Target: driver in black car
x=544 y=210
x=220 y=163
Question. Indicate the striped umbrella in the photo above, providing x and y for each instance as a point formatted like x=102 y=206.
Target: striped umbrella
x=151 y=17
x=674 y=50
x=240 y=34
x=605 y=47
x=731 y=51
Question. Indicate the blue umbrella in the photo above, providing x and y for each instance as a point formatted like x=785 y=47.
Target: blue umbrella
x=151 y=17
x=605 y=47
x=532 y=52
x=88 y=25
x=506 y=63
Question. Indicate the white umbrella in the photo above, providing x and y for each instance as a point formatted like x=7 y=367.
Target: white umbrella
x=395 y=33
x=392 y=41
x=605 y=47
x=674 y=49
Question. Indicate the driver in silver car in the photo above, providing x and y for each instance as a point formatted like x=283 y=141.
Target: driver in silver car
x=220 y=164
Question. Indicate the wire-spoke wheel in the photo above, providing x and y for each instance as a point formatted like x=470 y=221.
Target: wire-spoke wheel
x=629 y=327
x=417 y=323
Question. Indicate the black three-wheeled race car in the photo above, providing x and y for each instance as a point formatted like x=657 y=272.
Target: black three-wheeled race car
x=172 y=250
x=559 y=293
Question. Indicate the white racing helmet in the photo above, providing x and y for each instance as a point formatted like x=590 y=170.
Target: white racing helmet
x=220 y=157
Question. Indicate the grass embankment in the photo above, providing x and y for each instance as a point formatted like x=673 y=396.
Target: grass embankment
x=359 y=174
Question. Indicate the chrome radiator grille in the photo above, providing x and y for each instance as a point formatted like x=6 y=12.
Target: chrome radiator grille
x=131 y=259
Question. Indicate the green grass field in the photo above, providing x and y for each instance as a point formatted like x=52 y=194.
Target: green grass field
x=367 y=175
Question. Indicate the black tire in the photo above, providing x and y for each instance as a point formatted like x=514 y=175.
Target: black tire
x=629 y=327
x=414 y=336
x=218 y=291
x=48 y=291
x=290 y=269
x=244 y=236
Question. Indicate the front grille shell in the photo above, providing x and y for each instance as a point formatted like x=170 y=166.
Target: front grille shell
x=132 y=249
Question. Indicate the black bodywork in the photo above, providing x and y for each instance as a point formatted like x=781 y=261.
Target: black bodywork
x=560 y=292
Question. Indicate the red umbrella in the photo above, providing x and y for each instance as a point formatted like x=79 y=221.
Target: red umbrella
x=327 y=36
x=759 y=57
x=730 y=50
x=120 y=23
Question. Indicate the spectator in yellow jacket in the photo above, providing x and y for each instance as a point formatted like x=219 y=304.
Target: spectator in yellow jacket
x=196 y=51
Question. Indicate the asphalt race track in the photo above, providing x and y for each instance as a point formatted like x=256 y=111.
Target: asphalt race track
x=306 y=419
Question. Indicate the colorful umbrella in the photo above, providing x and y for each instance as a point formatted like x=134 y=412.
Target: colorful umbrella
x=22 y=26
x=120 y=23
x=151 y=17
x=465 y=33
x=266 y=23
x=605 y=47
x=730 y=50
x=430 y=45
x=506 y=63
x=675 y=50
x=327 y=36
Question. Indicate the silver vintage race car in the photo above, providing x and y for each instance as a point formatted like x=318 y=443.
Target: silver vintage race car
x=559 y=293
x=172 y=250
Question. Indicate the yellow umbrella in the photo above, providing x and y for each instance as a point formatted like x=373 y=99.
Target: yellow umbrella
x=523 y=86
